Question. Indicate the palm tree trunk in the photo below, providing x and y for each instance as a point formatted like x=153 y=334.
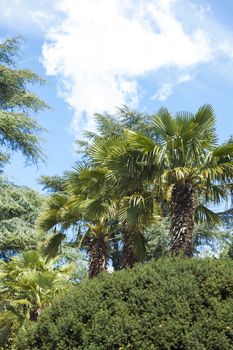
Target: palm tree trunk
x=129 y=257
x=98 y=255
x=182 y=220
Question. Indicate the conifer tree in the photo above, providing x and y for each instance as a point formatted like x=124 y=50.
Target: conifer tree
x=19 y=130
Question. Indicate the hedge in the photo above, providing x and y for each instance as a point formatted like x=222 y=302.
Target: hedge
x=171 y=303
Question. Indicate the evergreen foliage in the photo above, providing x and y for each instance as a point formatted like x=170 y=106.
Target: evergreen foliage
x=19 y=130
x=28 y=282
x=207 y=240
x=113 y=125
x=19 y=208
x=130 y=180
x=141 y=191
x=53 y=183
x=169 y=304
x=183 y=170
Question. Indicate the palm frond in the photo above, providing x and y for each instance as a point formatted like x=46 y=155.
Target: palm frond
x=205 y=215
x=86 y=181
x=100 y=147
x=225 y=150
x=140 y=141
x=96 y=209
x=139 y=245
x=164 y=124
x=205 y=116
x=217 y=172
x=51 y=247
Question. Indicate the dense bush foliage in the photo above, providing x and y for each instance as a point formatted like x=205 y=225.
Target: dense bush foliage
x=168 y=304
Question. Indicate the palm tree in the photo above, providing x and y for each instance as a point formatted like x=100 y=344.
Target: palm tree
x=184 y=167
x=91 y=201
x=91 y=234
x=98 y=247
x=29 y=282
x=85 y=205
x=124 y=175
x=93 y=187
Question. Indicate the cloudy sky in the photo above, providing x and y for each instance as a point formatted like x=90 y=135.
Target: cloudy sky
x=100 y=54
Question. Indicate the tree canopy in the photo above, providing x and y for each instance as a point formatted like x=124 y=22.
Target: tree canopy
x=19 y=208
x=19 y=130
x=145 y=186
x=184 y=167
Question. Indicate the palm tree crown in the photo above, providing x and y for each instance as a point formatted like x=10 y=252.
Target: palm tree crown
x=180 y=166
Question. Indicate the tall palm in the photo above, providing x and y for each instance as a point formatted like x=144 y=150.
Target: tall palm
x=129 y=197
x=85 y=205
x=182 y=165
x=129 y=180
x=97 y=241
x=92 y=201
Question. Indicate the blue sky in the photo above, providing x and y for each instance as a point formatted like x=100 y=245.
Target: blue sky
x=99 y=54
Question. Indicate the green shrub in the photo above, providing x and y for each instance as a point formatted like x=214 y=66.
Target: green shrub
x=168 y=304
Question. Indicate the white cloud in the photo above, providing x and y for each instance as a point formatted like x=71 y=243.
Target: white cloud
x=185 y=77
x=23 y=14
x=166 y=89
x=163 y=92
x=100 y=48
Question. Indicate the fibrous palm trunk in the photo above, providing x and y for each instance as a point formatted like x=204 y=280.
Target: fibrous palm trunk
x=129 y=256
x=98 y=254
x=182 y=219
